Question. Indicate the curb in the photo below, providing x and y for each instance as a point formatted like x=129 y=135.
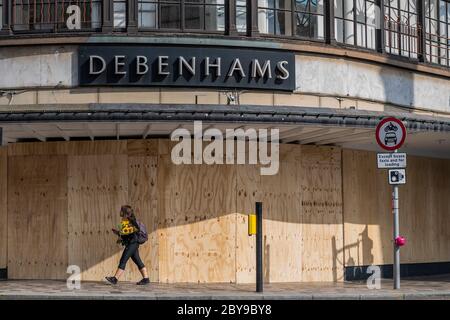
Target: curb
x=382 y=296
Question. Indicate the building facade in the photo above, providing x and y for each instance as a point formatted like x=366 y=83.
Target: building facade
x=91 y=90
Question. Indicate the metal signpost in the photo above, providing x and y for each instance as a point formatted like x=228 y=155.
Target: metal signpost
x=390 y=135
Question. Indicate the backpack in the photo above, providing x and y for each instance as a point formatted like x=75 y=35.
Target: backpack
x=142 y=235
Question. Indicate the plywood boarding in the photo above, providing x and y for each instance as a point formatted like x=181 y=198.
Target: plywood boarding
x=3 y=207
x=424 y=207
x=281 y=197
x=98 y=187
x=37 y=148
x=143 y=147
x=79 y=148
x=367 y=210
x=37 y=217
x=322 y=232
x=143 y=197
x=282 y=224
x=197 y=214
x=248 y=181
x=424 y=210
x=166 y=213
x=197 y=223
x=68 y=147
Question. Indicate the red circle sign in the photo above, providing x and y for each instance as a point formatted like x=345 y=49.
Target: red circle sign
x=390 y=133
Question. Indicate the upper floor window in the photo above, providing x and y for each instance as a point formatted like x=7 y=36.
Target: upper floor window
x=56 y=15
x=437 y=31
x=301 y=18
x=401 y=29
x=1 y=14
x=120 y=13
x=355 y=22
x=208 y=15
x=309 y=19
x=275 y=17
x=241 y=15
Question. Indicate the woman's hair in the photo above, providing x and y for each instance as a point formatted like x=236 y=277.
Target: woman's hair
x=128 y=212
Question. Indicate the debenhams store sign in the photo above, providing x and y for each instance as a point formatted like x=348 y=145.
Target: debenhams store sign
x=186 y=67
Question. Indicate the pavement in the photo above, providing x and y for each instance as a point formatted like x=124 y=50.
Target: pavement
x=431 y=287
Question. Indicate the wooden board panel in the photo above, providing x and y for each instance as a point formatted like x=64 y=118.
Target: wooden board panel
x=424 y=207
x=80 y=148
x=282 y=224
x=302 y=206
x=247 y=184
x=143 y=197
x=3 y=207
x=37 y=217
x=98 y=187
x=165 y=217
x=283 y=219
x=418 y=212
x=322 y=232
x=37 y=148
x=143 y=147
x=197 y=227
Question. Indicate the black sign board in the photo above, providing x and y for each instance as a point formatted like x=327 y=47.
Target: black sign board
x=186 y=66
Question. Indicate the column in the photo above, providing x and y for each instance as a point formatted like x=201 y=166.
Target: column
x=252 y=18
x=230 y=14
x=108 y=16
x=329 y=22
x=132 y=16
x=380 y=34
x=421 y=39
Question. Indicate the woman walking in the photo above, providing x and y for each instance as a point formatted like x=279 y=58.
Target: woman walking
x=132 y=233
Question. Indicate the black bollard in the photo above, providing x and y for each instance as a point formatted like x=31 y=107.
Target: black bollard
x=259 y=248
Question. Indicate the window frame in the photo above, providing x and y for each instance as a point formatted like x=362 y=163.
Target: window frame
x=55 y=24
x=355 y=22
x=235 y=16
x=399 y=33
x=428 y=21
x=182 y=7
x=1 y=15
x=293 y=13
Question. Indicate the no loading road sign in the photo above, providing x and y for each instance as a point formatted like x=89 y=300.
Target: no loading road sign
x=390 y=133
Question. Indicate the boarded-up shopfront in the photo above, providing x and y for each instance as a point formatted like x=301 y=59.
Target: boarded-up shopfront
x=327 y=209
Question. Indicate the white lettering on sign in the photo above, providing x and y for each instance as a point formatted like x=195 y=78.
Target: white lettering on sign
x=100 y=60
x=391 y=160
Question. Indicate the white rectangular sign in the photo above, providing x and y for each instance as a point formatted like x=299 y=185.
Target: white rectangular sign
x=391 y=160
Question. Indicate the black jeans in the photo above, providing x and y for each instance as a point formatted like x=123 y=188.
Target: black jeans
x=131 y=251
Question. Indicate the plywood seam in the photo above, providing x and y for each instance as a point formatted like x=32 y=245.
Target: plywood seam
x=343 y=208
x=5 y=192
